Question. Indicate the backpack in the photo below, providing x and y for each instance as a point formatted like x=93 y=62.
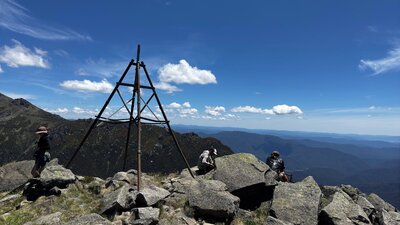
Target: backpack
x=47 y=157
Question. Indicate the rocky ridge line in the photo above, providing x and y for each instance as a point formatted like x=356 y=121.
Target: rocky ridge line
x=241 y=191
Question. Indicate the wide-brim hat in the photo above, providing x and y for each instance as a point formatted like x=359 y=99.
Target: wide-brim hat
x=41 y=130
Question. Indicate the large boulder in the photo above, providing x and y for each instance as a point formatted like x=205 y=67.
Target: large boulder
x=174 y=216
x=239 y=170
x=243 y=175
x=342 y=210
x=15 y=174
x=150 y=195
x=274 y=221
x=116 y=201
x=297 y=203
x=120 y=179
x=145 y=216
x=90 y=219
x=56 y=176
x=368 y=208
x=51 y=219
x=379 y=203
x=210 y=200
x=270 y=178
x=351 y=191
x=53 y=177
x=180 y=185
x=388 y=218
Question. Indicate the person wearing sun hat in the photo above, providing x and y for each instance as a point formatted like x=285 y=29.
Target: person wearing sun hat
x=275 y=162
x=206 y=162
x=43 y=145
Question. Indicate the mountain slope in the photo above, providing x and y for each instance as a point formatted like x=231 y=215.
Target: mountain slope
x=102 y=153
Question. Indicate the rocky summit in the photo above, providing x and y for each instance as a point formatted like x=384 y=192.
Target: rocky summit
x=240 y=191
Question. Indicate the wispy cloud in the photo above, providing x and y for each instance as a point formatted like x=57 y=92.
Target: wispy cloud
x=88 y=86
x=1 y=70
x=19 y=55
x=18 y=95
x=276 y=110
x=101 y=68
x=16 y=18
x=387 y=64
x=361 y=110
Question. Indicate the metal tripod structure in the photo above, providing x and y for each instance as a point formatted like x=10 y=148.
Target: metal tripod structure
x=133 y=120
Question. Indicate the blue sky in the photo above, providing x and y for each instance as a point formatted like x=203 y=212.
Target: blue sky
x=324 y=66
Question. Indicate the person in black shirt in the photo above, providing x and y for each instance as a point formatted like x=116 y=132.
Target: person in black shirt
x=275 y=162
x=43 y=145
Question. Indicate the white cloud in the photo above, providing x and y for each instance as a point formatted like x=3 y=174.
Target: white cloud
x=184 y=73
x=182 y=110
x=58 y=110
x=86 y=85
x=167 y=87
x=1 y=70
x=390 y=63
x=251 y=109
x=276 y=110
x=214 y=110
x=231 y=116
x=190 y=111
x=79 y=110
x=285 y=109
x=175 y=105
x=16 y=18
x=19 y=55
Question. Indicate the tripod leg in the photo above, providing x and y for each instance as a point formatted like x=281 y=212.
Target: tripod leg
x=99 y=115
x=166 y=120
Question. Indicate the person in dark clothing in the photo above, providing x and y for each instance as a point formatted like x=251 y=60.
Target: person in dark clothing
x=275 y=162
x=43 y=145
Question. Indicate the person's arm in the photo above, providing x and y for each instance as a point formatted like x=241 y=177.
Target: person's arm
x=206 y=159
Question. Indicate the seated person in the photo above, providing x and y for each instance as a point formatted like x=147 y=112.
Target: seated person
x=206 y=161
x=275 y=162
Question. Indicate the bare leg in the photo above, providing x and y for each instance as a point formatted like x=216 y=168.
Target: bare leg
x=35 y=173
x=40 y=169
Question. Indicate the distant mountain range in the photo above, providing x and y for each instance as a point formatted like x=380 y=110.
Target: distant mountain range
x=369 y=140
x=371 y=163
x=365 y=162
x=102 y=154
